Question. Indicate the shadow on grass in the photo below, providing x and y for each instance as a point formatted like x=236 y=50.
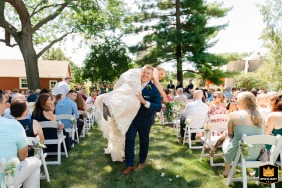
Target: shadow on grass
x=87 y=166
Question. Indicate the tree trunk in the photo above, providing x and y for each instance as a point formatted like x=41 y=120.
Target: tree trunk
x=29 y=55
x=178 y=47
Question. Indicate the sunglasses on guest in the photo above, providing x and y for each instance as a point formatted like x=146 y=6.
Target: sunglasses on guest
x=216 y=97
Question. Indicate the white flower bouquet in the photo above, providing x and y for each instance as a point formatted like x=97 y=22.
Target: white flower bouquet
x=37 y=146
x=9 y=169
x=172 y=111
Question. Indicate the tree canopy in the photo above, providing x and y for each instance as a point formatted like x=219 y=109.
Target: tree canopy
x=180 y=31
x=106 y=61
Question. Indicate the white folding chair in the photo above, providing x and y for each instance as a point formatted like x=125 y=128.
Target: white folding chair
x=42 y=158
x=86 y=124
x=196 y=125
x=58 y=141
x=72 y=131
x=211 y=135
x=275 y=141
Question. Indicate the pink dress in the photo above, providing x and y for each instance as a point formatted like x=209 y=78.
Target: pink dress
x=218 y=108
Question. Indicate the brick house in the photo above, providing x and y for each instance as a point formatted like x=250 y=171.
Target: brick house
x=13 y=74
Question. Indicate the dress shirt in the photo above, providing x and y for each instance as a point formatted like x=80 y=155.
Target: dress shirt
x=147 y=105
x=67 y=106
x=197 y=111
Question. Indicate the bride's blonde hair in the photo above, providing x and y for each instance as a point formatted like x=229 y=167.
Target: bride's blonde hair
x=159 y=68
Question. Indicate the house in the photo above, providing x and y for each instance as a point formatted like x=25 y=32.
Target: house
x=13 y=74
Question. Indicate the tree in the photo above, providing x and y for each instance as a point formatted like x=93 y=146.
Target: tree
x=179 y=31
x=45 y=22
x=249 y=81
x=106 y=61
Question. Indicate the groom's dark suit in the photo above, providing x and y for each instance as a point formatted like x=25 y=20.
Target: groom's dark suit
x=142 y=124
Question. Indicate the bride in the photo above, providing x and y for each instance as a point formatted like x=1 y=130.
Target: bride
x=114 y=111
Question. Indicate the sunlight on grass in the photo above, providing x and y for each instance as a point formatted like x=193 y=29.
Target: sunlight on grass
x=88 y=167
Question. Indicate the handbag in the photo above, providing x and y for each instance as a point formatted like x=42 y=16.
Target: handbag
x=264 y=155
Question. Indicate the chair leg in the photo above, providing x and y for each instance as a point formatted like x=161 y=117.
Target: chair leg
x=65 y=148
x=77 y=137
x=244 y=174
x=234 y=164
x=59 y=153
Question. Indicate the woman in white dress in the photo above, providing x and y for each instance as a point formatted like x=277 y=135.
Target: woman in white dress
x=114 y=111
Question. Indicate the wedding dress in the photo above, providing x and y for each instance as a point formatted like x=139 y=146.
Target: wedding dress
x=123 y=106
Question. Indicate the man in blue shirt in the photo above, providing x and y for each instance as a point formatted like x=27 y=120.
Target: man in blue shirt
x=68 y=106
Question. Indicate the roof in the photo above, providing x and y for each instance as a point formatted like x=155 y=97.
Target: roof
x=47 y=69
x=254 y=57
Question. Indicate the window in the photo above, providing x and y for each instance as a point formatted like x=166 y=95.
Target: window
x=23 y=83
x=52 y=84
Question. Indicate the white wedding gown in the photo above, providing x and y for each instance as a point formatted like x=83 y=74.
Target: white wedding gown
x=123 y=106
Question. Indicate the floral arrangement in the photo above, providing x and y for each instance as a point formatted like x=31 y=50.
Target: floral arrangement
x=73 y=120
x=172 y=111
x=90 y=110
x=148 y=87
x=207 y=127
x=9 y=170
x=37 y=146
x=244 y=149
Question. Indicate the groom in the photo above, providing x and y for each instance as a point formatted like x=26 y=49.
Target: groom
x=150 y=102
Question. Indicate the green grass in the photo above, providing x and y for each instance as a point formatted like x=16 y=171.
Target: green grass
x=87 y=166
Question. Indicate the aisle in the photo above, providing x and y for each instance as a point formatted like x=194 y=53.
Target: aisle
x=169 y=164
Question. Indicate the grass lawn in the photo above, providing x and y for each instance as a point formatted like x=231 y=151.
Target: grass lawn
x=169 y=164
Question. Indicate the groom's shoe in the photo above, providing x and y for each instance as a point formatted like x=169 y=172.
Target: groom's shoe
x=128 y=170
x=140 y=165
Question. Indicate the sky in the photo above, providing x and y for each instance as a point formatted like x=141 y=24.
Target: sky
x=242 y=34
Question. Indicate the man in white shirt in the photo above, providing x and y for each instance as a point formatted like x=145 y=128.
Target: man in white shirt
x=197 y=111
x=180 y=97
x=62 y=87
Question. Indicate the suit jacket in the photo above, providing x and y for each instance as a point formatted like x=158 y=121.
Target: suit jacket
x=146 y=116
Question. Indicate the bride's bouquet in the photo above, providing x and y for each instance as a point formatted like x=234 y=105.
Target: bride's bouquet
x=172 y=111
x=9 y=169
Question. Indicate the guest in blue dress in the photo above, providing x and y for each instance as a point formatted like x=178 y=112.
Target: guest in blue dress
x=19 y=110
x=247 y=120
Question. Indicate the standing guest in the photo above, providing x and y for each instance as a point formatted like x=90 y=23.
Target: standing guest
x=92 y=87
x=110 y=87
x=102 y=88
x=180 y=97
x=246 y=120
x=62 y=87
x=32 y=96
x=19 y=110
x=197 y=111
x=179 y=85
x=14 y=144
x=8 y=98
x=92 y=97
x=68 y=106
x=170 y=85
x=274 y=119
x=190 y=85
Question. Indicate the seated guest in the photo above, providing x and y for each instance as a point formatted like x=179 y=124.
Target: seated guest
x=43 y=111
x=274 y=118
x=68 y=106
x=246 y=120
x=180 y=97
x=16 y=97
x=14 y=144
x=83 y=93
x=231 y=105
x=19 y=110
x=32 y=96
x=8 y=98
x=197 y=111
x=168 y=95
x=92 y=97
x=81 y=104
x=262 y=105
x=57 y=99
x=218 y=105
